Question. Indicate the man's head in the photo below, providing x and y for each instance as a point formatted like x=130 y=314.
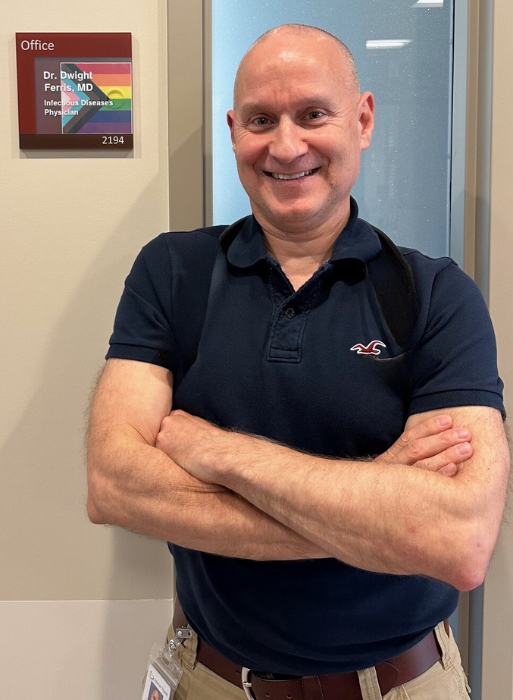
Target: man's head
x=350 y=74
x=297 y=109
x=155 y=695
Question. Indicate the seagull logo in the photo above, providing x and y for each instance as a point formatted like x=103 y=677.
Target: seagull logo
x=370 y=349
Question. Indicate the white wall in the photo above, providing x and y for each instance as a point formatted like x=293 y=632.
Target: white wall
x=72 y=590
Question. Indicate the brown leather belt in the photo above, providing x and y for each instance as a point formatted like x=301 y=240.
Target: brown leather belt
x=391 y=673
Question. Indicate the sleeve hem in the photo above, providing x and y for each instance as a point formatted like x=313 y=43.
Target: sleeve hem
x=139 y=353
x=455 y=398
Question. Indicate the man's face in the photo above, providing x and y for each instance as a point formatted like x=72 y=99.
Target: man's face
x=294 y=116
x=155 y=695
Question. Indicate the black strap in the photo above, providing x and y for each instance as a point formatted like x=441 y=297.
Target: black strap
x=394 y=285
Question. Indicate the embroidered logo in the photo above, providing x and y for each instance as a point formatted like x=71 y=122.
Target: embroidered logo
x=370 y=349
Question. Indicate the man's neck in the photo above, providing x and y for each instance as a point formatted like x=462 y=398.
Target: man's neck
x=303 y=248
x=301 y=252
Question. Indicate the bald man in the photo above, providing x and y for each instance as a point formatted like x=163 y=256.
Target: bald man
x=328 y=478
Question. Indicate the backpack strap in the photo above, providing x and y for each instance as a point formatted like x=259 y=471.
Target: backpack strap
x=395 y=289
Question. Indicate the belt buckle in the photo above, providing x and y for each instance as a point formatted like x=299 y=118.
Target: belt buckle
x=246 y=683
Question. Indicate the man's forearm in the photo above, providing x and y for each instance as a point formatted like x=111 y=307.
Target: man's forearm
x=374 y=516
x=140 y=488
x=388 y=518
x=379 y=517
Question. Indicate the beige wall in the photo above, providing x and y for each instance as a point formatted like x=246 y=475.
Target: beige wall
x=498 y=606
x=70 y=232
x=71 y=227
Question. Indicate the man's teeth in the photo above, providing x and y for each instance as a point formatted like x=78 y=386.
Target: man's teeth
x=281 y=176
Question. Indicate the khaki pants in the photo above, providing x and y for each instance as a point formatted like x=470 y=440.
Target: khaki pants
x=445 y=680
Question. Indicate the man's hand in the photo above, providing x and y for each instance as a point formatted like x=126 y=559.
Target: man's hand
x=195 y=444
x=198 y=446
x=432 y=445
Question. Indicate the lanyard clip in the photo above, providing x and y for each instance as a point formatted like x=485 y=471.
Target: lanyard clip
x=182 y=633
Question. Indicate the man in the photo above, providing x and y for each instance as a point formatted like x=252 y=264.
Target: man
x=334 y=569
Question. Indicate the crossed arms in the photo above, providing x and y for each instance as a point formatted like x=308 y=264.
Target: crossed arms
x=431 y=505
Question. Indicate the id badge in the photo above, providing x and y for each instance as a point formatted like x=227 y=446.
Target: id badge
x=164 y=672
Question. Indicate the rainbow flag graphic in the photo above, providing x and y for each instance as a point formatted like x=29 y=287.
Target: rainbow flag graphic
x=96 y=97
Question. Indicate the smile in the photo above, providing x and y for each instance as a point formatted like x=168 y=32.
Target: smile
x=297 y=176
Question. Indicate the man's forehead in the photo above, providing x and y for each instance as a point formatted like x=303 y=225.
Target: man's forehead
x=290 y=91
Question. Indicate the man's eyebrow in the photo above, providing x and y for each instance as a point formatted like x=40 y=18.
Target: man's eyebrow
x=252 y=107
x=310 y=101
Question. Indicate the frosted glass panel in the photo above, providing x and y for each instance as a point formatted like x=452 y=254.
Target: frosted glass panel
x=403 y=52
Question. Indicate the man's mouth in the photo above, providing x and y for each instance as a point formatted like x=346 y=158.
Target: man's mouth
x=296 y=176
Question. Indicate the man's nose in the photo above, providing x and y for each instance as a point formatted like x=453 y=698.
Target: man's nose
x=288 y=141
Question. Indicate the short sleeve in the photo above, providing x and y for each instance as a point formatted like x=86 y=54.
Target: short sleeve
x=142 y=326
x=455 y=362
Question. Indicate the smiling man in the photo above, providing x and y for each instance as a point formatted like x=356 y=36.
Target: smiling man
x=334 y=467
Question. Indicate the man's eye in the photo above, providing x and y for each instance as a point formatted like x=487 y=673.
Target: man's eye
x=315 y=115
x=260 y=121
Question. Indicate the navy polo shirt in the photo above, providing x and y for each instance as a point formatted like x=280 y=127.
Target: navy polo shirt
x=249 y=352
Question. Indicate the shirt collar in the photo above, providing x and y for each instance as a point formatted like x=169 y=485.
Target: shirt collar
x=245 y=245
x=244 y=242
x=357 y=241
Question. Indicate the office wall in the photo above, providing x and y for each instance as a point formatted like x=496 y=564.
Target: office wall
x=80 y=604
x=498 y=601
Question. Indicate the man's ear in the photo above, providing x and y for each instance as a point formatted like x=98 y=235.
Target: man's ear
x=230 y=118
x=366 y=119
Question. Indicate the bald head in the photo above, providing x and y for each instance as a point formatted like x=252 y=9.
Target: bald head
x=285 y=40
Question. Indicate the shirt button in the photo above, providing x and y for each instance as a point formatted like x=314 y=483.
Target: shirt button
x=290 y=313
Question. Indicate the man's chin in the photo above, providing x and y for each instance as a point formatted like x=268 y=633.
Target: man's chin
x=290 y=218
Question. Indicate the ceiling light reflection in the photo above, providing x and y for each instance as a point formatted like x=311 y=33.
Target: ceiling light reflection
x=429 y=3
x=387 y=43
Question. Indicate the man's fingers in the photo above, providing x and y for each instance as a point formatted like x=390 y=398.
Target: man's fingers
x=449 y=469
x=423 y=448
x=417 y=449
x=455 y=455
x=428 y=428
